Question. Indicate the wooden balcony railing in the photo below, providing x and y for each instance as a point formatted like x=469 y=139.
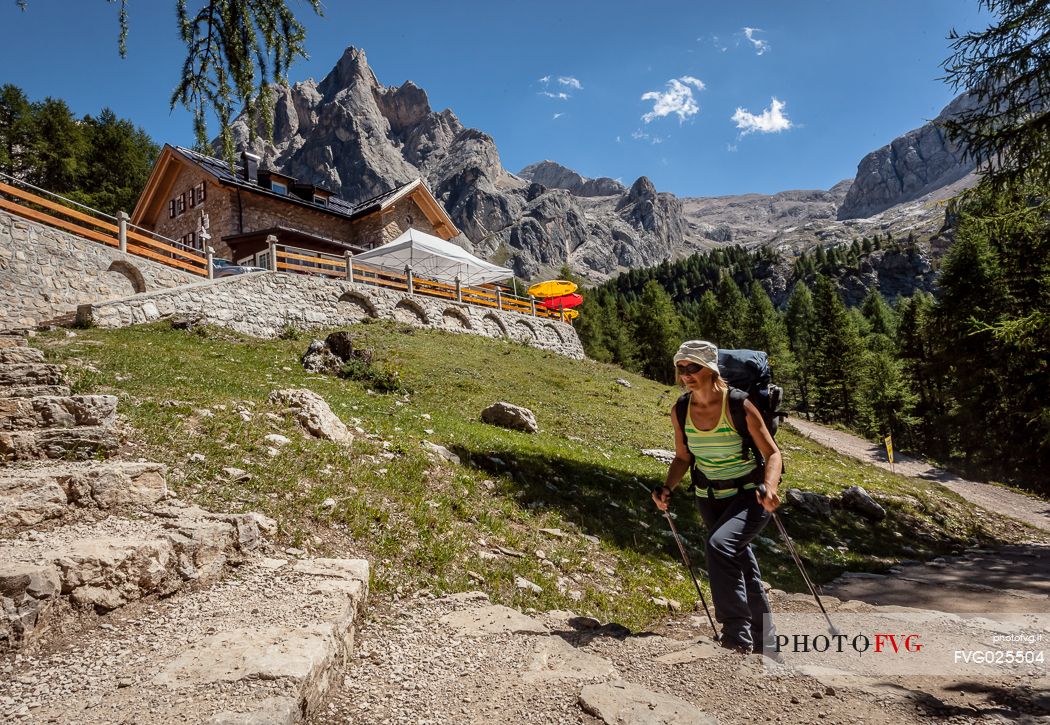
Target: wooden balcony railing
x=70 y=216
x=305 y=261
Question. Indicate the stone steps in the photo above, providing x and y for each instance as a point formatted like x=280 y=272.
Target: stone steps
x=160 y=612
x=262 y=645
x=51 y=411
x=9 y=341
x=19 y=374
x=106 y=564
x=30 y=496
x=71 y=444
x=33 y=391
x=20 y=354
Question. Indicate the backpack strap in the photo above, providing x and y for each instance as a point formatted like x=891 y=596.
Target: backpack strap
x=738 y=414
x=681 y=411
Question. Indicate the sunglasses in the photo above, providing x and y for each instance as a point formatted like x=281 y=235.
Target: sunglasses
x=690 y=369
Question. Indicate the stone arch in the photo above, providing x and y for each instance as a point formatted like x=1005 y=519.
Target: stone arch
x=554 y=332
x=410 y=312
x=523 y=331
x=493 y=326
x=453 y=319
x=357 y=307
x=129 y=270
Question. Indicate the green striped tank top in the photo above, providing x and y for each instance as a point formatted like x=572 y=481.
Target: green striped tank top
x=718 y=452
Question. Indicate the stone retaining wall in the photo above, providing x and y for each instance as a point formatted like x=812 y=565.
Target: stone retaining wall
x=261 y=304
x=45 y=273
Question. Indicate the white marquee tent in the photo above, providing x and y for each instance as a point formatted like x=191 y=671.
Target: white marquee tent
x=433 y=258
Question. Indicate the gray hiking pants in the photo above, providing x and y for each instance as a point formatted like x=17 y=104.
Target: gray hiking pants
x=736 y=584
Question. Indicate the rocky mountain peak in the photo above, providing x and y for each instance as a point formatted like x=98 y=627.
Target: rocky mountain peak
x=642 y=190
x=351 y=70
x=917 y=163
x=555 y=176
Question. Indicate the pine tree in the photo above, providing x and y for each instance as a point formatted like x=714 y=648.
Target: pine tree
x=878 y=314
x=766 y=331
x=916 y=350
x=1008 y=129
x=801 y=321
x=590 y=331
x=116 y=164
x=619 y=334
x=658 y=333
x=58 y=147
x=705 y=325
x=732 y=313
x=16 y=132
x=837 y=362
x=972 y=296
x=994 y=325
x=886 y=402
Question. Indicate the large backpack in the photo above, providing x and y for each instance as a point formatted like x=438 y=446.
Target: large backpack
x=747 y=372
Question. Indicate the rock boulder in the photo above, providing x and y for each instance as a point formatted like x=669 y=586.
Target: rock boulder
x=813 y=503
x=855 y=498
x=313 y=414
x=507 y=415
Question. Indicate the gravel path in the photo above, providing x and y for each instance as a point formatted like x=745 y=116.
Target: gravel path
x=413 y=666
x=1029 y=509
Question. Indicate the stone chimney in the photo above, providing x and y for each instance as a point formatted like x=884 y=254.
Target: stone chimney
x=251 y=167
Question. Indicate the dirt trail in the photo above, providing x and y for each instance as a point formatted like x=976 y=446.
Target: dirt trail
x=998 y=499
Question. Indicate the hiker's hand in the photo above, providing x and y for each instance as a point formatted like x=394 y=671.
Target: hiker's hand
x=661 y=495
x=770 y=501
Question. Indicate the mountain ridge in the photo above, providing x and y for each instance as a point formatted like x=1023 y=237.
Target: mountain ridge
x=358 y=138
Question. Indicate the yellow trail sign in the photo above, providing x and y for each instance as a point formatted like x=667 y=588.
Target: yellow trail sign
x=889 y=449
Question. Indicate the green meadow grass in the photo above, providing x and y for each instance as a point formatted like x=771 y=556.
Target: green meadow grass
x=423 y=522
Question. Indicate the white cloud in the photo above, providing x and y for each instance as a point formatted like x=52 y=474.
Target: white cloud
x=771 y=120
x=761 y=46
x=677 y=99
x=557 y=116
x=640 y=135
x=567 y=82
x=730 y=147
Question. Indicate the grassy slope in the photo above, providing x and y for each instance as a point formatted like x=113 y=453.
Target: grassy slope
x=422 y=521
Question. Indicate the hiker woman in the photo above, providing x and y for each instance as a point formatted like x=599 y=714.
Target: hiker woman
x=725 y=481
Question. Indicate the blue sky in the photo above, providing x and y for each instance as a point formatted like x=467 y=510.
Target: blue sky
x=682 y=92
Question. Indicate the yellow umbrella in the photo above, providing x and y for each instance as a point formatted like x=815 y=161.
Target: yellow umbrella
x=552 y=288
x=571 y=314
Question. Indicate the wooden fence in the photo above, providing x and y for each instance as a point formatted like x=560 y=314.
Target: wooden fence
x=97 y=227
x=306 y=261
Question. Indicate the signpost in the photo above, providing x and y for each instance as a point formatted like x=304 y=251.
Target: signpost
x=889 y=452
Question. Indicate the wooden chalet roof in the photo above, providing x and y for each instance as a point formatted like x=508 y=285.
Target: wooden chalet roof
x=165 y=169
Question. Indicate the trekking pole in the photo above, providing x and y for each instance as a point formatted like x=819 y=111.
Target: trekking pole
x=689 y=566
x=798 y=562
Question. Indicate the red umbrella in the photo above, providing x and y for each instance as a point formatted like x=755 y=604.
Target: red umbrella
x=562 y=302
